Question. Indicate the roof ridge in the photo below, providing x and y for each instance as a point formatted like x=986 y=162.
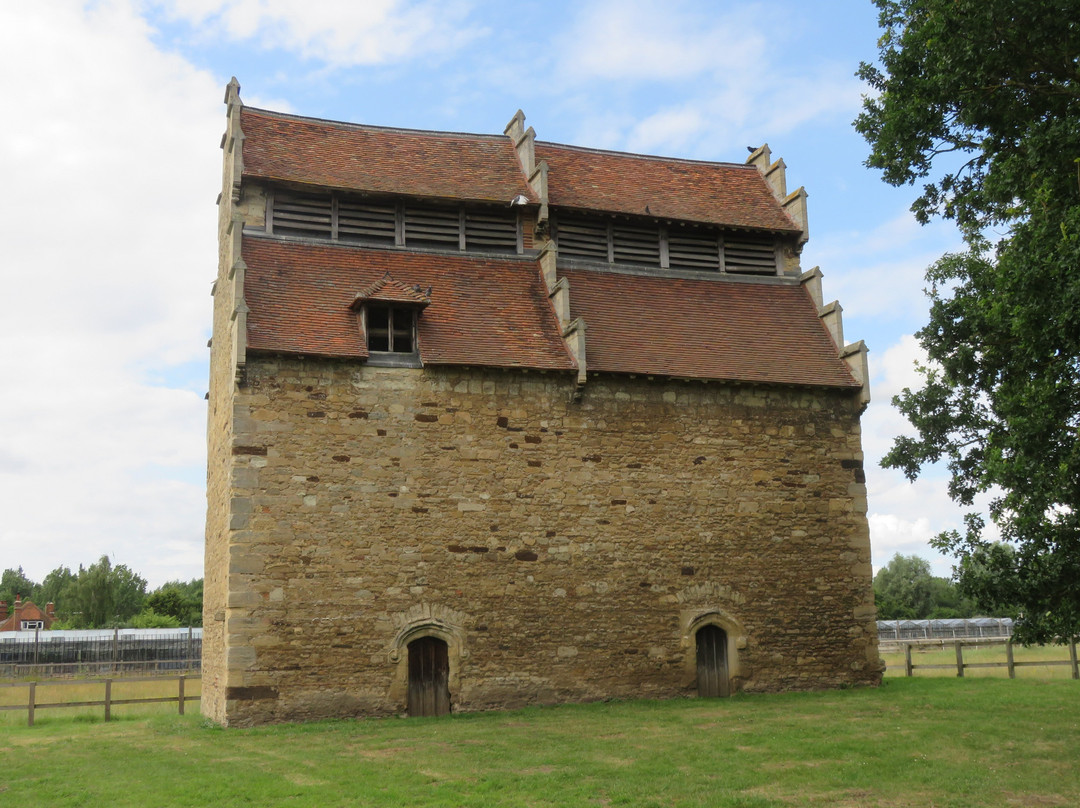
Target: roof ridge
x=656 y=157
x=373 y=128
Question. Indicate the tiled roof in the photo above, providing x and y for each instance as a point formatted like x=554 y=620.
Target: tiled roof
x=765 y=332
x=484 y=311
x=723 y=194
x=443 y=165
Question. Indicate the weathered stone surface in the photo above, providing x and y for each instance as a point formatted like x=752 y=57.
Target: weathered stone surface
x=565 y=551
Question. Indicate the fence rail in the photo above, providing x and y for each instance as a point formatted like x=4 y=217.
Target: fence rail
x=1010 y=663
x=32 y=705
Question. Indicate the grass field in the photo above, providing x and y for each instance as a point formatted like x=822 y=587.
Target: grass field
x=982 y=654
x=912 y=742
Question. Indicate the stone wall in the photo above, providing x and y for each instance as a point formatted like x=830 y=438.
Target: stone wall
x=564 y=550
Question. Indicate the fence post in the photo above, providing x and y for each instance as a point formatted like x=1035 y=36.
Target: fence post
x=30 y=705
x=959 y=659
x=115 y=650
x=1072 y=658
x=108 y=699
x=907 y=660
x=1009 y=659
x=37 y=640
x=181 y=695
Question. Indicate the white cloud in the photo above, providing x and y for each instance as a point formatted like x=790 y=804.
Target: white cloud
x=340 y=33
x=714 y=81
x=644 y=40
x=111 y=170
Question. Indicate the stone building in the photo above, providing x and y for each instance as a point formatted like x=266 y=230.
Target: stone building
x=496 y=422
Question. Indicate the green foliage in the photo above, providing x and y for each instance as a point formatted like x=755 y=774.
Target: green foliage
x=182 y=601
x=148 y=618
x=982 y=99
x=14 y=582
x=103 y=595
x=52 y=588
x=904 y=589
x=991 y=86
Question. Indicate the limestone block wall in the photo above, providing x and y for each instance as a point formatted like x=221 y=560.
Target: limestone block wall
x=565 y=550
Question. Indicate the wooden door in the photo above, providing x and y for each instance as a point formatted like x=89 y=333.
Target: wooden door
x=429 y=677
x=712 y=669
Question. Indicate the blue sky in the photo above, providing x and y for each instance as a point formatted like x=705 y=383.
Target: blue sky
x=111 y=166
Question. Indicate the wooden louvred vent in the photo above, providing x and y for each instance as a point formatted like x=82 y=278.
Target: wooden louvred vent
x=582 y=238
x=636 y=245
x=490 y=232
x=432 y=227
x=366 y=223
x=360 y=220
x=303 y=215
x=693 y=249
x=749 y=255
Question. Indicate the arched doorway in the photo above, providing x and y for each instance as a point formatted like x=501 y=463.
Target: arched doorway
x=713 y=680
x=429 y=677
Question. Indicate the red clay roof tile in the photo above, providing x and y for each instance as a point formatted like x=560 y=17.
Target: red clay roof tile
x=704 y=329
x=484 y=311
x=442 y=165
x=723 y=194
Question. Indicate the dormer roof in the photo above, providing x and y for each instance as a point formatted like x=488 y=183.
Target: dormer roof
x=388 y=290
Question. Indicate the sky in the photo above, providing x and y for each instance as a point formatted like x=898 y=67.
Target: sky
x=110 y=166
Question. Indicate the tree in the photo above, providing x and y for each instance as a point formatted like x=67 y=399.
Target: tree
x=981 y=99
x=53 y=586
x=14 y=582
x=103 y=595
x=903 y=589
x=179 y=600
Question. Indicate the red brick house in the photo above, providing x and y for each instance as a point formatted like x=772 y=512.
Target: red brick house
x=495 y=422
x=25 y=616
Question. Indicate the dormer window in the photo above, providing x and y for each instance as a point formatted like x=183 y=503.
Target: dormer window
x=391 y=329
x=388 y=311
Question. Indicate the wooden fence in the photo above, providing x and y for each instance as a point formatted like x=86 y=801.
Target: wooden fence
x=32 y=705
x=1010 y=663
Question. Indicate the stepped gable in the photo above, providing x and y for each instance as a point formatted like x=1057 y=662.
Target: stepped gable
x=724 y=194
x=483 y=311
x=766 y=333
x=330 y=154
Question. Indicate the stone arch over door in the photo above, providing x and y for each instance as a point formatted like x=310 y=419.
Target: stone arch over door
x=713 y=640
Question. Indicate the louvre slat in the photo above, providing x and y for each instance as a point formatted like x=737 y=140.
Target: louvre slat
x=750 y=257
x=491 y=232
x=302 y=215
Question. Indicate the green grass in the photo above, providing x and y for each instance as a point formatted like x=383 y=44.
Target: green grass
x=925 y=655
x=912 y=742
